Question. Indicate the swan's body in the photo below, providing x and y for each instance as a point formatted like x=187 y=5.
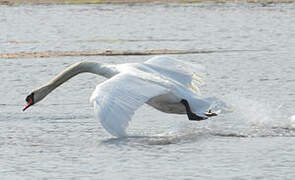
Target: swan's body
x=161 y=82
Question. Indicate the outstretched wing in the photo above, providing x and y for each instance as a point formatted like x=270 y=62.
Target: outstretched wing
x=116 y=100
x=188 y=74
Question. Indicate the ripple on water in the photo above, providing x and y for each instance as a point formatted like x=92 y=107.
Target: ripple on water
x=60 y=138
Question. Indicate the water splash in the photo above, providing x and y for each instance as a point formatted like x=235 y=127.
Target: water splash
x=261 y=119
x=292 y=120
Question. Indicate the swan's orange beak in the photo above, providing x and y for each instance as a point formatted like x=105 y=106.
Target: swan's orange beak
x=30 y=101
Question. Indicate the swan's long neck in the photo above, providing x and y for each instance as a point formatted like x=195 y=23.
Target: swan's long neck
x=81 y=67
x=85 y=66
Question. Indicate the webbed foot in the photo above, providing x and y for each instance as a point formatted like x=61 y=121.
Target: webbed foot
x=210 y=114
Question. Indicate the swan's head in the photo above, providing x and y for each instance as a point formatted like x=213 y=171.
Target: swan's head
x=36 y=96
x=30 y=101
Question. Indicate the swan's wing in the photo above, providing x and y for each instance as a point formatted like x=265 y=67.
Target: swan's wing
x=188 y=74
x=116 y=100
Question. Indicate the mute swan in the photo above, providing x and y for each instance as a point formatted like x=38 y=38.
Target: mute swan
x=164 y=83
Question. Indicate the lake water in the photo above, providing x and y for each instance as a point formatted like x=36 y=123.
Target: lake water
x=60 y=139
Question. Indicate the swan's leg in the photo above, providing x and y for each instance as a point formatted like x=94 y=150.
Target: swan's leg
x=191 y=116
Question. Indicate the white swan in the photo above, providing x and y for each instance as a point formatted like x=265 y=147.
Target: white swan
x=164 y=83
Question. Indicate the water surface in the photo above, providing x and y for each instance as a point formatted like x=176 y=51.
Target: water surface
x=60 y=138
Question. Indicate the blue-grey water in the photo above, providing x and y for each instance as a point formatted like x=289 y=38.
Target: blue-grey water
x=59 y=138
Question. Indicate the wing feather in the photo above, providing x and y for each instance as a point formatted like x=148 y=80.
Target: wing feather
x=188 y=74
x=116 y=100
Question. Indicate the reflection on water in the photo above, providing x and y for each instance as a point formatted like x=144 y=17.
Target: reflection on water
x=60 y=138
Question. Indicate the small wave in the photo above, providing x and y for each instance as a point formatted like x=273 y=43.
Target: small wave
x=230 y=134
x=157 y=139
x=189 y=134
x=199 y=136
